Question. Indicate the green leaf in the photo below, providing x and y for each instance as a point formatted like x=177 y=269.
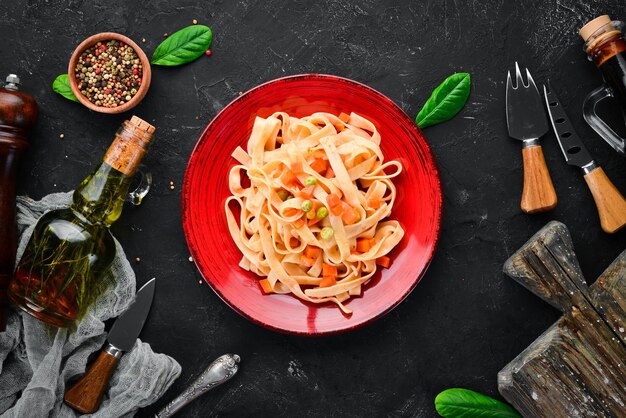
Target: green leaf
x=464 y=403
x=446 y=101
x=183 y=46
x=61 y=85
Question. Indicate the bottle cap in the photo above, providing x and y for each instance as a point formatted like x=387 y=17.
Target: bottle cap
x=591 y=27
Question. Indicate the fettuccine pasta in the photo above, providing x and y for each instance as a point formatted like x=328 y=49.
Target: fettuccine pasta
x=312 y=220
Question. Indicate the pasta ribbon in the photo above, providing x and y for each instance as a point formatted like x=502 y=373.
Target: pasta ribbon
x=312 y=218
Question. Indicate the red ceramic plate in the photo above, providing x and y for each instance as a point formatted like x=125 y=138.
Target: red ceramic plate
x=417 y=208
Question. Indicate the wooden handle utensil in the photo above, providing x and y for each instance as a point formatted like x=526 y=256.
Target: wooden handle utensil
x=86 y=394
x=609 y=201
x=538 y=194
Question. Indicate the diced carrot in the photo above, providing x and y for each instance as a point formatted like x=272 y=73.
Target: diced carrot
x=312 y=251
x=296 y=167
x=320 y=154
x=363 y=245
x=265 y=285
x=298 y=223
x=291 y=212
x=288 y=178
x=308 y=262
x=314 y=221
x=319 y=165
x=333 y=200
x=334 y=204
x=307 y=192
x=329 y=173
x=374 y=203
x=328 y=281
x=350 y=215
x=383 y=261
x=294 y=242
x=344 y=117
x=339 y=126
x=329 y=270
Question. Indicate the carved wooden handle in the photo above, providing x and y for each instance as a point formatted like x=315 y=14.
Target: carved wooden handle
x=86 y=394
x=609 y=201
x=539 y=194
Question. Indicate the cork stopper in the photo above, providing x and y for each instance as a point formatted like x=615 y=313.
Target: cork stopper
x=591 y=27
x=130 y=145
x=141 y=125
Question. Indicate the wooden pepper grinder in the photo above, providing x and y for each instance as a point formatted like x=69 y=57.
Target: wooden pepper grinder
x=18 y=113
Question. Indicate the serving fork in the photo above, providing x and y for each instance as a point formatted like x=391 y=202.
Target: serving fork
x=527 y=122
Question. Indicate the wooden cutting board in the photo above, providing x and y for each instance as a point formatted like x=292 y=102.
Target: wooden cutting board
x=577 y=368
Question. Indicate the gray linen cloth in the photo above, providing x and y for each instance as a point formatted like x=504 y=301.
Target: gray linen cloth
x=36 y=360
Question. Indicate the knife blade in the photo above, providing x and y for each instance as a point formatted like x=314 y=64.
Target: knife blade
x=609 y=201
x=86 y=394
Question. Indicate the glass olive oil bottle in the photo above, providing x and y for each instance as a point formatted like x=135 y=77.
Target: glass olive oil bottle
x=61 y=271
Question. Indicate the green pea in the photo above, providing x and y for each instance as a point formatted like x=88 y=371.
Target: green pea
x=289 y=197
x=322 y=212
x=310 y=214
x=327 y=232
x=283 y=194
x=307 y=205
x=310 y=181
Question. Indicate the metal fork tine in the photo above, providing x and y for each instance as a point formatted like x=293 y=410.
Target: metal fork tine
x=531 y=82
x=525 y=112
x=518 y=76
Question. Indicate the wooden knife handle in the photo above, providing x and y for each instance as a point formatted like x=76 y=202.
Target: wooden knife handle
x=609 y=201
x=539 y=194
x=86 y=394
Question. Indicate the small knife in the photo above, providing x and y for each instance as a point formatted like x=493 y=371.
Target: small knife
x=86 y=394
x=609 y=201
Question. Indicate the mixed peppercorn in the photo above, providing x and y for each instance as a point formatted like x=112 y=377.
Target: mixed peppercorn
x=109 y=73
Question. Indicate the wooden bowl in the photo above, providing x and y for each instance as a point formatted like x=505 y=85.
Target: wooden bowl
x=145 y=79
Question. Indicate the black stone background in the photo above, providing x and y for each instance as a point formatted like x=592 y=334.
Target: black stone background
x=466 y=320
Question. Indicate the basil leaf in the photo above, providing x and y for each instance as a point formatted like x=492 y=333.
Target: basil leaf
x=183 y=46
x=446 y=101
x=464 y=403
x=61 y=85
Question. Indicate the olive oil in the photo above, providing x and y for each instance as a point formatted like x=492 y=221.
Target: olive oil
x=61 y=272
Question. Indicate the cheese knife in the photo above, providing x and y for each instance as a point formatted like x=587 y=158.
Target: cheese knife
x=86 y=394
x=526 y=121
x=609 y=201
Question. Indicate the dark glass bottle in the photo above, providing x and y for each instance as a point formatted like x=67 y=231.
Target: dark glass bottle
x=606 y=48
x=60 y=273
